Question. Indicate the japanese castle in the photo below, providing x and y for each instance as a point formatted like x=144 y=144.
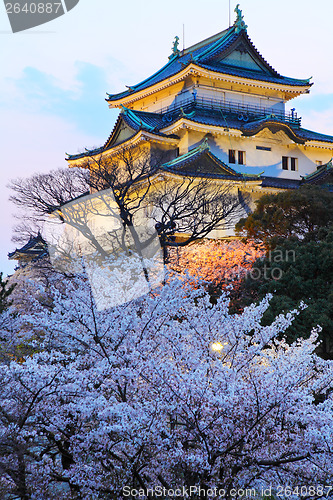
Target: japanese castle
x=218 y=109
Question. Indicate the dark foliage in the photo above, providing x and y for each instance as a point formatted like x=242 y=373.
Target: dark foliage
x=297 y=271
x=297 y=229
x=290 y=213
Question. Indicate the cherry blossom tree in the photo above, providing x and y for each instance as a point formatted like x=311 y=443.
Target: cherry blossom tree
x=5 y=292
x=166 y=391
x=220 y=263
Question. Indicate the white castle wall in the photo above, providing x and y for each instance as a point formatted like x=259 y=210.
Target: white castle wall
x=182 y=94
x=258 y=161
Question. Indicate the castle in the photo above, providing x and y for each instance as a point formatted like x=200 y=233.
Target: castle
x=218 y=108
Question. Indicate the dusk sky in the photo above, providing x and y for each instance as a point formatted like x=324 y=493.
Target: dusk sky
x=54 y=78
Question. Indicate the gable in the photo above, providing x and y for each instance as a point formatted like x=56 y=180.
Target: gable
x=241 y=58
x=241 y=54
x=272 y=130
x=200 y=162
x=271 y=136
x=124 y=133
x=203 y=164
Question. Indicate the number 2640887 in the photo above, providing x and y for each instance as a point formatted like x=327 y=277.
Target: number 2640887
x=33 y=8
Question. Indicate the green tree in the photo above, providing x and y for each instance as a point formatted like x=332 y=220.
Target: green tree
x=296 y=271
x=296 y=213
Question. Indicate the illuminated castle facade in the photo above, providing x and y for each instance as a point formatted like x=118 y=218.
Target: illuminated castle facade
x=218 y=109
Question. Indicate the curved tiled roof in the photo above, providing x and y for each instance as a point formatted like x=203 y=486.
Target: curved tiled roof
x=309 y=135
x=220 y=118
x=201 y=162
x=323 y=175
x=109 y=145
x=254 y=75
x=273 y=124
x=280 y=182
x=208 y=56
x=35 y=248
x=143 y=119
x=155 y=123
x=297 y=134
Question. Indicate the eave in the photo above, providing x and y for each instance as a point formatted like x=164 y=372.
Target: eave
x=273 y=126
x=138 y=138
x=162 y=174
x=197 y=70
x=319 y=174
x=20 y=256
x=320 y=144
x=186 y=123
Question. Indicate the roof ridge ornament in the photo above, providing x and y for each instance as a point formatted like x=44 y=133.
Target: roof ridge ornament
x=131 y=114
x=187 y=115
x=204 y=145
x=175 y=50
x=239 y=23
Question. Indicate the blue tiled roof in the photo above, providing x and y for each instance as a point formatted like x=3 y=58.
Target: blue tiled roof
x=144 y=119
x=324 y=172
x=207 y=117
x=201 y=162
x=205 y=56
x=137 y=121
x=160 y=121
x=280 y=182
x=254 y=75
x=174 y=66
x=219 y=118
x=309 y=135
x=300 y=135
x=36 y=246
x=323 y=176
x=155 y=122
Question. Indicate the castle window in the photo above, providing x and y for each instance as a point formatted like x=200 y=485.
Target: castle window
x=289 y=163
x=285 y=162
x=232 y=156
x=319 y=163
x=263 y=148
x=293 y=164
x=240 y=155
x=241 y=158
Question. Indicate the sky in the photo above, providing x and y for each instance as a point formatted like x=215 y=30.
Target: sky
x=54 y=78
